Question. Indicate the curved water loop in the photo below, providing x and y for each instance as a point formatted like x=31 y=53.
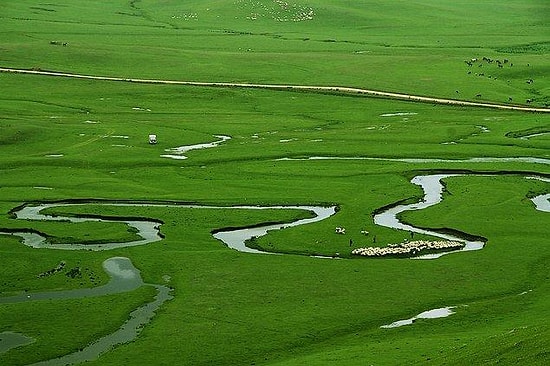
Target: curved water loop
x=148 y=229
x=124 y=276
x=433 y=189
x=433 y=194
x=236 y=238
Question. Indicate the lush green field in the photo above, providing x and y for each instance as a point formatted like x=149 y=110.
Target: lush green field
x=65 y=138
x=417 y=47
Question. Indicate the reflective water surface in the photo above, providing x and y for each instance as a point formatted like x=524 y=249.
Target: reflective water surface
x=430 y=314
x=9 y=340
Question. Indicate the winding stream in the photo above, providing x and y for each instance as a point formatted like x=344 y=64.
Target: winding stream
x=148 y=229
x=424 y=160
x=178 y=152
x=433 y=190
x=125 y=277
x=236 y=238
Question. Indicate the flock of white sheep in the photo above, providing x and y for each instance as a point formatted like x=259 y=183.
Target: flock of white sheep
x=411 y=248
x=279 y=10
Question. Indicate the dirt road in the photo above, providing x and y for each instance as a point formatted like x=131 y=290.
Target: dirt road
x=312 y=88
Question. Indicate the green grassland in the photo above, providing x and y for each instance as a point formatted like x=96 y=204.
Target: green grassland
x=417 y=47
x=66 y=138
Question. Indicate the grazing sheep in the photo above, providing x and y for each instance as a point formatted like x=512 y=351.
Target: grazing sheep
x=408 y=249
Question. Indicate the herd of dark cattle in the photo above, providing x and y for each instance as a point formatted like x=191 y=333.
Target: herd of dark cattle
x=57 y=43
x=497 y=62
x=470 y=63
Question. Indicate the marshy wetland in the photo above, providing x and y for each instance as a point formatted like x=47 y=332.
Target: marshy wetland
x=308 y=130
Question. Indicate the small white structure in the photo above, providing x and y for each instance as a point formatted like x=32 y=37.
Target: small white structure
x=152 y=139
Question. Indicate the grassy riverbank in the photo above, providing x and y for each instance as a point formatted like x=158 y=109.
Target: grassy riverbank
x=65 y=138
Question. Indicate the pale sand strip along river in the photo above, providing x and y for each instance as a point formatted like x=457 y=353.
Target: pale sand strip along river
x=313 y=88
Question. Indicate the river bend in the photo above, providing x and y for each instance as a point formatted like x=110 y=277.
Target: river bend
x=125 y=277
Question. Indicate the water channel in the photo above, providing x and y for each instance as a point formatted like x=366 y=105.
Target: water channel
x=178 y=152
x=424 y=160
x=148 y=229
x=433 y=190
x=125 y=277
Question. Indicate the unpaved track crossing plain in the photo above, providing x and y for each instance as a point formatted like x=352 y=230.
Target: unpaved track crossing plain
x=310 y=88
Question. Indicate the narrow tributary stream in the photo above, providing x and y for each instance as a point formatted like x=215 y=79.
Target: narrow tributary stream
x=124 y=277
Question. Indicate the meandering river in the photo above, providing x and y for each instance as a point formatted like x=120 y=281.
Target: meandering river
x=125 y=277
x=148 y=229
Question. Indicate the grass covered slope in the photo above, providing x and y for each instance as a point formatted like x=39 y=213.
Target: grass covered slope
x=87 y=139
x=417 y=48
